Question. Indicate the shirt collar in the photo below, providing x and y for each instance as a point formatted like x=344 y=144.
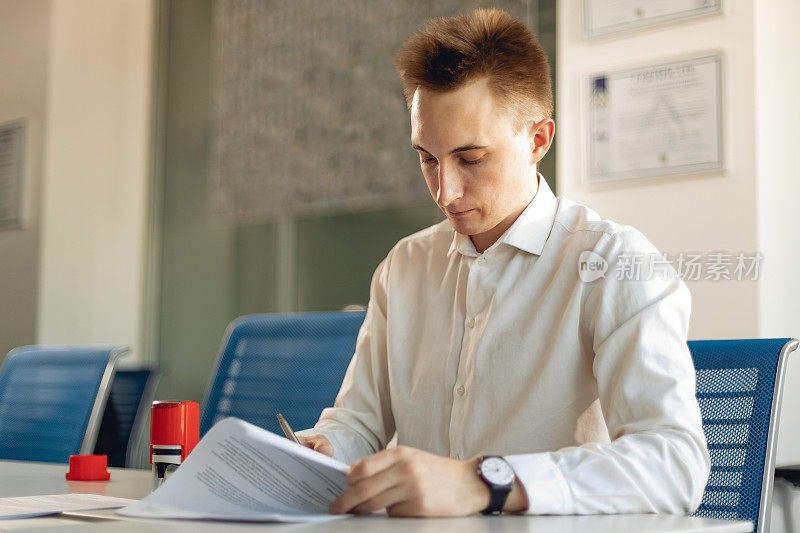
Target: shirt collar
x=528 y=233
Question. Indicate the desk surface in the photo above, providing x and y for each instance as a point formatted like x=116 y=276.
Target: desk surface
x=30 y=479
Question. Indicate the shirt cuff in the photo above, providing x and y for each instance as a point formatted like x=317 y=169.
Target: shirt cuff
x=545 y=486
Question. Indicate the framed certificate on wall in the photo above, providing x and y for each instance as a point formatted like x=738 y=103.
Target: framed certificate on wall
x=12 y=143
x=655 y=120
x=604 y=17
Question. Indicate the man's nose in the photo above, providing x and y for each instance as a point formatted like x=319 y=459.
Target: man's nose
x=450 y=188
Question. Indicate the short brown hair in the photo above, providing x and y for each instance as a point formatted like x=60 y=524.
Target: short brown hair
x=449 y=52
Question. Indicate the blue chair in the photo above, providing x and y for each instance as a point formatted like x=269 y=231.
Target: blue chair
x=52 y=400
x=292 y=364
x=739 y=387
x=125 y=416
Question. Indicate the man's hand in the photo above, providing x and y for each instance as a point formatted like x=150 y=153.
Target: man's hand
x=318 y=443
x=411 y=482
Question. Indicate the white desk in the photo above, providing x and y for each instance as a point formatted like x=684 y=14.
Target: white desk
x=29 y=479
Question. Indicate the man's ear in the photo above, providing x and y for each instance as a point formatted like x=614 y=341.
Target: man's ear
x=542 y=134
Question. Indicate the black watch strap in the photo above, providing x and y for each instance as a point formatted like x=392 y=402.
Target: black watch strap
x=497 y=499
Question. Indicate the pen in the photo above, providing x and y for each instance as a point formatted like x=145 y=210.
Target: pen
x=287 y=429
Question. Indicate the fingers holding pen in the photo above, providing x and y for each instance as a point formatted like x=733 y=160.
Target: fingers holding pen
x=318 y=443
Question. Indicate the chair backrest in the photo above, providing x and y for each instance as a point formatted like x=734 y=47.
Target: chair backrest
x=52 y=400
x=739 y=387
x=125 y=414
x=292 y=364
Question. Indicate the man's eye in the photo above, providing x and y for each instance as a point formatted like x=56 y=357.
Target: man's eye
x=432 y=160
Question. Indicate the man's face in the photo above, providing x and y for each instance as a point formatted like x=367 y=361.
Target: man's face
x=479 y=171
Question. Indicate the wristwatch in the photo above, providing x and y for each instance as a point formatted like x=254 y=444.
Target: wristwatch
x=499 y=476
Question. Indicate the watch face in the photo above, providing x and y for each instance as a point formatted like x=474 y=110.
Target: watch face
x=497 y=471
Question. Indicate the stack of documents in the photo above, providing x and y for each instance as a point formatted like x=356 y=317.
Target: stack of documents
x=31 y=506
x=239 y=471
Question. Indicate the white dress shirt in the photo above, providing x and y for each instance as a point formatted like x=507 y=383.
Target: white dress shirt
x=586 y=388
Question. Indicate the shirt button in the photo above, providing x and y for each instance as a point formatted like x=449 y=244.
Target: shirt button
x=471 y=323
x=460 y=390
x=481 y=260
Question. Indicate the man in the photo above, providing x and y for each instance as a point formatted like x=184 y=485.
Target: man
x=484 y=338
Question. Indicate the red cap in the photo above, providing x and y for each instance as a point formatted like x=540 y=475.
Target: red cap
x=88 y=468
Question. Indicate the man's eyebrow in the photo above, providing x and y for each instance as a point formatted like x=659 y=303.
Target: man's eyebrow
x=459 y=149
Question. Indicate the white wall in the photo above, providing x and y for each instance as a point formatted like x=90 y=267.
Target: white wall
x=96 y=172
x=24 y=48
x=742 y=208
x=777 y=113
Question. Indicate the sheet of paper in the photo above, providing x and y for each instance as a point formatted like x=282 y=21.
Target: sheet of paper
x=30 y=506
x=241 y=472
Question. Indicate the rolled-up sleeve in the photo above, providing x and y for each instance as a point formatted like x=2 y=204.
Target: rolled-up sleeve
x=361 y=422
x=657 y=460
